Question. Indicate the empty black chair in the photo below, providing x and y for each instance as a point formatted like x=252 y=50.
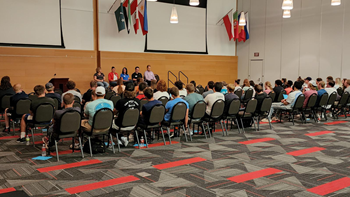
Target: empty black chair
x=239 y=93
x=340 y=91
x=272 y=95
x=177 y=118
x=196 y=116
x=22 y=107
x=129 y=121
x=69 y=127
x=163 y=99
x=232 y=113
x=310 y=107
x=280 y=96
x=216 y=114
x=248 y=112
x=115 y=99
x=264 y=111
x=297 y=107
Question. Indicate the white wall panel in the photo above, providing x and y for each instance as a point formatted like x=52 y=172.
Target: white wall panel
x=257 y=28
x=243 y=47
x=346 y=42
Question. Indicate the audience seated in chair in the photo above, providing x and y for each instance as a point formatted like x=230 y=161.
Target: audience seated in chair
x=72 y=90
x=321 y=90
x=175 y=95
x=28 y=118
x=347 y=86
x=210 y=87
x=237 y=86
x=224 y=88
x=306 y=84
x=289 y=102
x=278 y=88
x=113 y=77
x=268 y=87
x=53 y=132
x=259 y=96
x=87 y=96
x=192 y=98
x=162 y=90
x=6 y=87
x=51 y=93
x=330 y=87
x=182 y=90
x=140 y=94
x=229 y=97
x=312 y=90
x=20 y=94
x=211 y=98
x=119 y=89
x=289 y=88
x=146 y=108
x=99 y=77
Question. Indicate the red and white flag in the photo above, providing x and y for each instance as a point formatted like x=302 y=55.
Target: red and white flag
x=134 y=15
x=227 y=21
x=142 y=10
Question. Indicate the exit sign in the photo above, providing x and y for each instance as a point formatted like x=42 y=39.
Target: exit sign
x=256 y=54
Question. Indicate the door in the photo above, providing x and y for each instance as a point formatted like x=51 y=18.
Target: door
x=256 y=71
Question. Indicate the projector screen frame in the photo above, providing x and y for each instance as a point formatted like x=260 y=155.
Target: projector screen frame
x=185 y=52
x=40 y=45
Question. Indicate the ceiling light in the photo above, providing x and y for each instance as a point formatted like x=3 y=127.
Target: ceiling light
x=287 y=5
x=335 y=2
x=194 y=2
x=287 y=14
x=242 y=21
x=173 y=17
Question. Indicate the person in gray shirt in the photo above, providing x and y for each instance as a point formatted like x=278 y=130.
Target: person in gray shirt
x=192 y=98
x=210 y=89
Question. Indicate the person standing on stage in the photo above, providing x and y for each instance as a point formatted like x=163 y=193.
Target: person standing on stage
x=149 y=76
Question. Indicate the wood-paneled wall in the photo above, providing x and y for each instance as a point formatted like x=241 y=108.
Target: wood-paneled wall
x=32 y=66
x=201 y=68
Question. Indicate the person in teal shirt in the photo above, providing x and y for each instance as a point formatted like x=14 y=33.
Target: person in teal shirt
x=192 y=98
x=124 y=74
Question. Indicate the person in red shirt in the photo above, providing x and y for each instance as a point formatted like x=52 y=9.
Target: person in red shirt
x=113 y=77
x=289 y=87
x=140 y=94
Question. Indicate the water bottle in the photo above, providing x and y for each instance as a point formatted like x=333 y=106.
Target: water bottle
x=43 y=151
x=142 y=141
x=27 y=140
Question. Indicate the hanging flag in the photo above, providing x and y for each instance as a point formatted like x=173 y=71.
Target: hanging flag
x=246 y=27
x=235 y=25
x=240 y=31
x=126 y=8
x=119 y=15
x=134 y=15
x=228 y=25
x=143 y=16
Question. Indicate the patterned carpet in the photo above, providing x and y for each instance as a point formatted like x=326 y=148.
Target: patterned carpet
x=303 y=161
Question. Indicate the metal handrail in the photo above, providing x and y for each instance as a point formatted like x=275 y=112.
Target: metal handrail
x=169 y=72
x=180 y=72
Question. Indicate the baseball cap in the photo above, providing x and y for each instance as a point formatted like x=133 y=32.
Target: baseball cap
x=100 y=91
x=129 y=87
x=308 y=78
x=49 y=86
x=313 y=83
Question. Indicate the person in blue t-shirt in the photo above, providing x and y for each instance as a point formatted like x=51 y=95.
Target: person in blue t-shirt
x=124 y=74
x=174 y=91
x=146 y=108
x=320 y=91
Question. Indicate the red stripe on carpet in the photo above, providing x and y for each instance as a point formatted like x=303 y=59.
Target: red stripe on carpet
x=102 y=184
x=11 y=189
x=70 y=165
x=254 y=175
x=335 y=122
x=319 y=133
x=64 y=152
x=17 y=136
x=257 y=140
x=178 y=163
x=331 y=186
x=305 y=151
x=157 y=144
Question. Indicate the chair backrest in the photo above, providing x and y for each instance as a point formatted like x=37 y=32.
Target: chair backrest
x=234 y=107
x=157 y=114
x=266 y=104
x=109 y=94
x=44 y=113
x=280 y=96
x=251 y=106
x=198 y=110
x=115 y=99
x=311 y=103
x=23 y=107
x=332 y=98
x=179 y=112
x=344 y=99
x=164 y=100
x=70 y=122
x=77 y=99
x=131 y=117
x=32 y=96
x=248 y=94
x=102 y=119
x=217 y=109
x=323 y=100
x=239 y=93
x=272 y=95
x=142 y=102
x=299 y=102
x=340 y=91
x=5 y=101
x=76 y=104
x=57 y=103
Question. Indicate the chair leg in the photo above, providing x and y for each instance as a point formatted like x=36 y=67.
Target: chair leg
x=209 y=130
x=270 y=123
x=33 y=129
x=258 y=123
x=239 y=130
x=168 y=131
x=183 y=127
x=293 y=117
x=110 y=135
x=254 y=123
x=226 y=126
x=203 y=128
x=162 y=131
x=144 y=133
x=89 y=138
x=242 y=125
x=118 y=141
x=81 y=147
x=13 y=126
x=188 y=129
x=137 y=137
x=222 y=128
x=58 y=158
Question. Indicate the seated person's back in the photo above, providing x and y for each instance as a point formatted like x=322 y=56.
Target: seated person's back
x=128 y=102
x=50 y=92
x=146 y=108
x=174 y=91
x=162 y=90
x=41 y=99
x=142 y=87
x=259 y=96
x=87 y=95
x=6 y=87
x=212 y=98
x=230 y=96
x=192 y=97
x=72 y=90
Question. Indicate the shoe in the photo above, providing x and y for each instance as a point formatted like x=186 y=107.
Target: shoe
x=191 y=132
x=125 y=141
x=172 y=134
x=21 y=140
x=76 y=146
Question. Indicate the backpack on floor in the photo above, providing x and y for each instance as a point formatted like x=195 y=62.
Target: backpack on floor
x=97 y=146
x=247 y=122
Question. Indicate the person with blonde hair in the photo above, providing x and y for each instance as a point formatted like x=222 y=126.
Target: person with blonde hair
x=162 y=90
x=246 y=85
x=119 y=89
x=312 y=90
x=268 y=87
x=338 y=83
x=99 y=77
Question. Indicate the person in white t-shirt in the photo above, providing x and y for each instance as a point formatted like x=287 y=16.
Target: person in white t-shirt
x=330 y=88
x=210 y=99
x=162 y=90
x=289 y=102
x=182 y=90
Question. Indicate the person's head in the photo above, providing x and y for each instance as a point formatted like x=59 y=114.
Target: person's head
x=17 y=88
x=297 y=85
x=289 y=83
x=321 y=85
x=329 y=78
x=68 y=100
x=137 y=69
x=100 y=92
x=224 y=84
x=125 y=71
x=268 y=85
x=338 y=80
x=129 y=90
x=120 y=81
x=284 y=80
x=258 y=89
x=344 y=82
x=237 y=82
x=299 y=78
x=39 y=91
x=251 y=83
x=179 y=85
x=246 y=83
x=217 y=87
x=5 y=83
x=190 y=88
x=231 y=88
x=278 y=82
x=307 y=80
x=194 y=83
x=142 y=86
x=140 y=80
x=93 y=84
x=98 y=69
x=210 y=85
x=161 y=86
x=71 y=85
x=312 y=85
x=347 y=84
x=154 y=84
x=49 y=87
x=318 y=80
x=148 y=92
x=148 y=67
x=113 y=69
x=174 y=91
x=330 y=84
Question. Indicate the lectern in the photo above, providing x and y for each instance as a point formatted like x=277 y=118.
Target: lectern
x=60 y=83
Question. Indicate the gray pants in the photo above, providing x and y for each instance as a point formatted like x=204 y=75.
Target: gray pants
x=277 y=106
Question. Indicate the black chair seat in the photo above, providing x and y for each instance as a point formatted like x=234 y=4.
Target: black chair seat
x=167 y=124
x=242 y=114
x=211 y=119
x=145 y=126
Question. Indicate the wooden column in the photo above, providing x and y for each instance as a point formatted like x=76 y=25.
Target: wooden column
x=96 y=34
